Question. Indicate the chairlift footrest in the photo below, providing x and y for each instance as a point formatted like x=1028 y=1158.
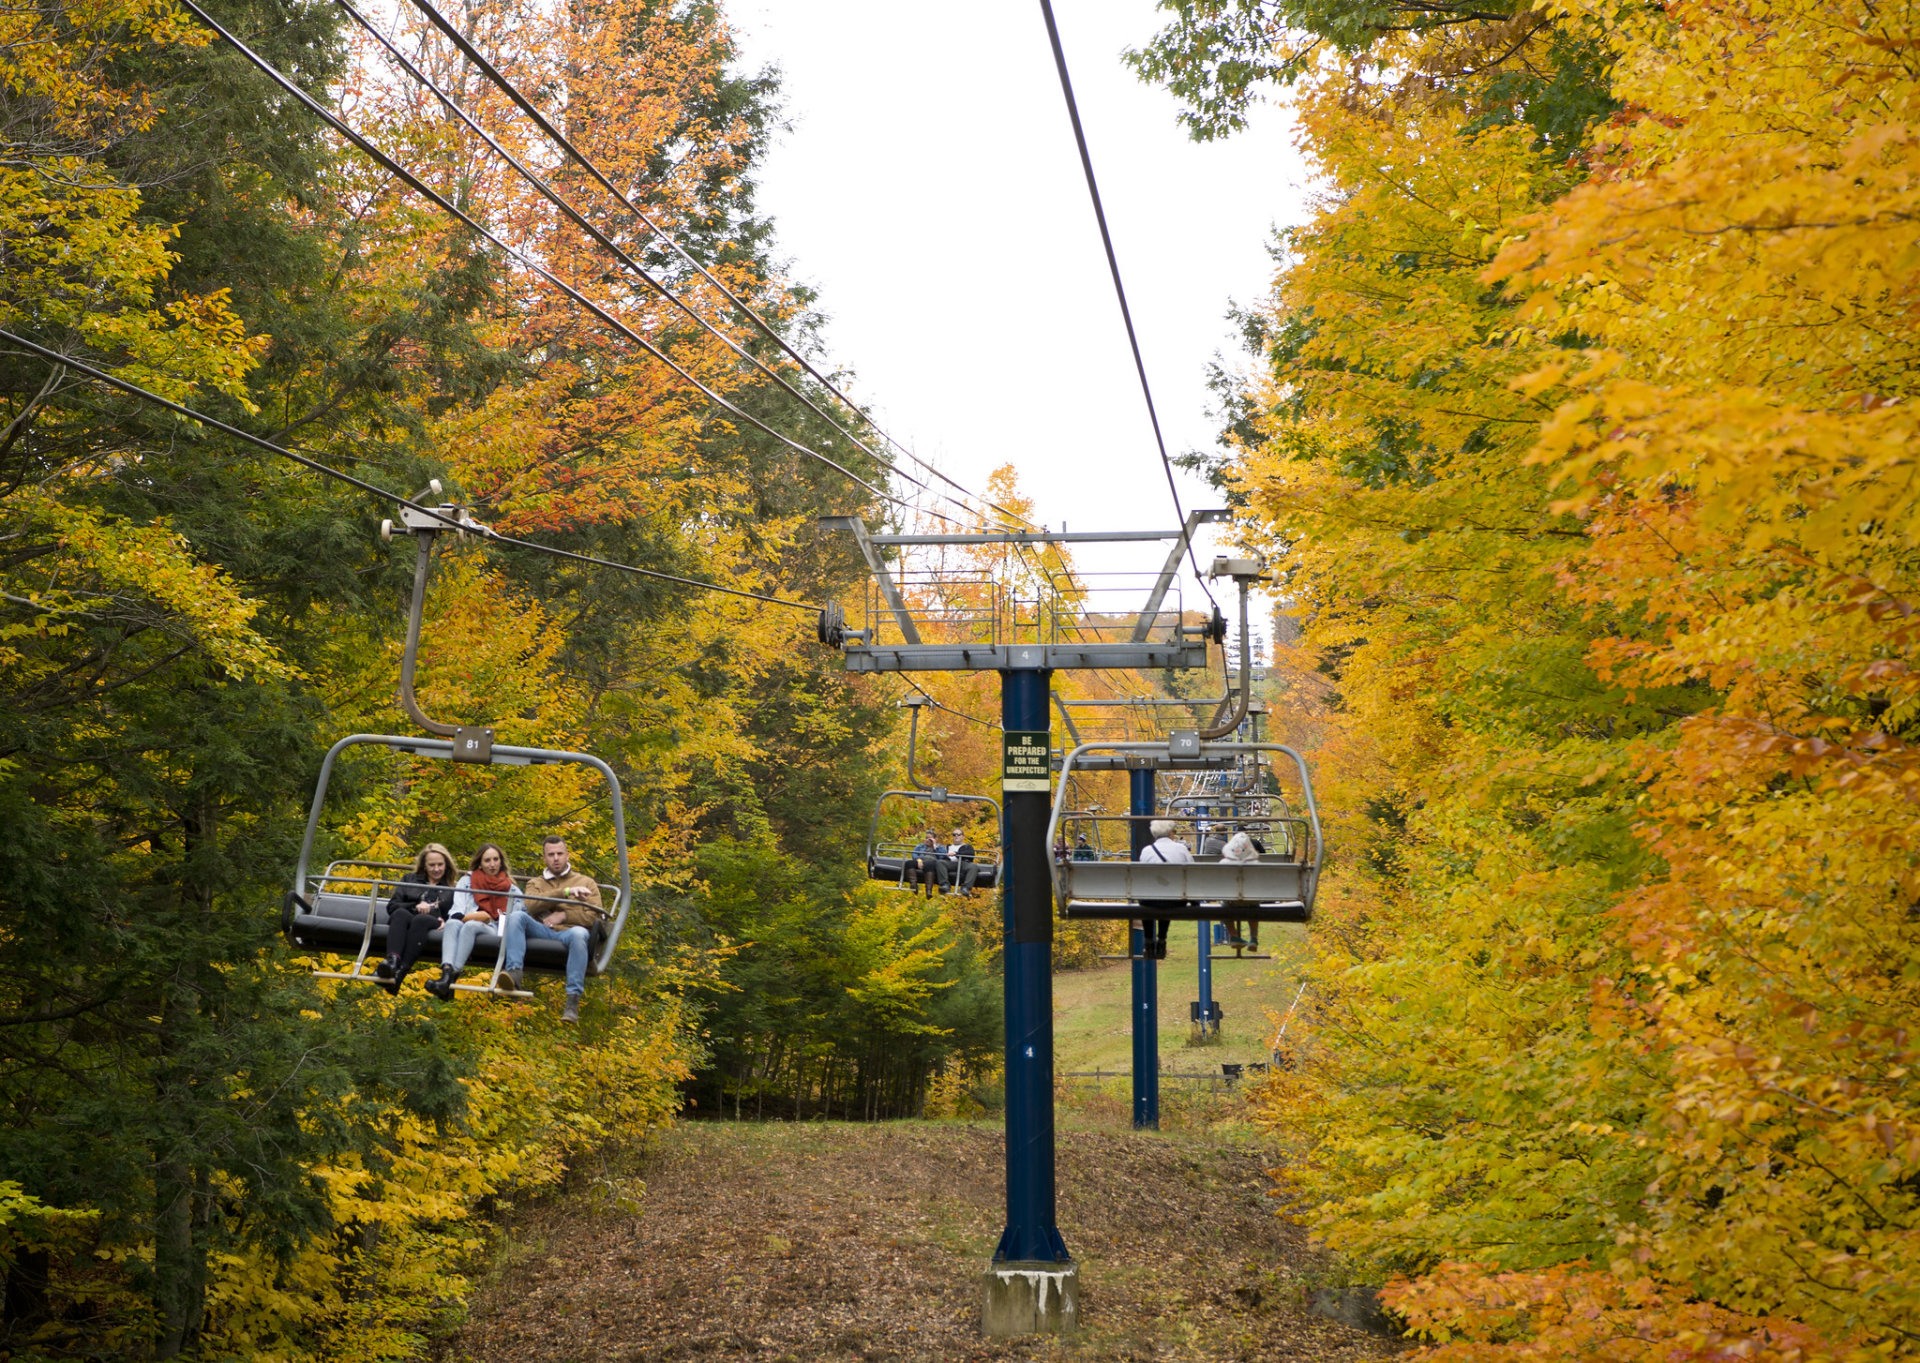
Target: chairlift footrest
x=497 y=993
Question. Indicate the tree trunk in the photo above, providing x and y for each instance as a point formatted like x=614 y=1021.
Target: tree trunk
x=26 y=1294
x=179 y=1269
x=179 y=1255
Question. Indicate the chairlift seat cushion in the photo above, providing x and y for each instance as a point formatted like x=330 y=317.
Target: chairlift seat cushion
x=1190 y=911
x=890 y=870
x=339 y=921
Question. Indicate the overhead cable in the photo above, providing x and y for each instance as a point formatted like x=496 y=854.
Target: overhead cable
x=419 y=187
x=607 y=243
x=942 y=705
x=586 y=163
x=1119 y=289
x=112 y=380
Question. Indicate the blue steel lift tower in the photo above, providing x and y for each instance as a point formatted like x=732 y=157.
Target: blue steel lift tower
x=1032 y=1285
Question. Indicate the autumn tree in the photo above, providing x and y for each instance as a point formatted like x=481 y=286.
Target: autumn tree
x=1585 y=472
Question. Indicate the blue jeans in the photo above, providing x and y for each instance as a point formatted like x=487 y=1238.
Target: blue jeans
x=522 y=925
x=457 y=940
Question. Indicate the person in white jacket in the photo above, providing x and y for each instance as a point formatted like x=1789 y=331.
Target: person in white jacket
x=1170 y=850
x=482 y=900
x=1241 y=850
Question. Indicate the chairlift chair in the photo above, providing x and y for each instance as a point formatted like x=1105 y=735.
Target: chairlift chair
x=342 y=909
x=1278 y=887
x=887 y=861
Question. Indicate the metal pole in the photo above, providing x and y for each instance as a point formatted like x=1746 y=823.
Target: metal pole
x=1146 y=977
x=1027 y=905
x=1206 y=976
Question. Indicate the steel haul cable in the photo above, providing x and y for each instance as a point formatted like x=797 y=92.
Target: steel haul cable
x=1119 y=289
x=260 y=442
x=606 y=243
x=419 y=187
x=586 y=163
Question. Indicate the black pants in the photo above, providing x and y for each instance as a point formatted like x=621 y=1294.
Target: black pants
x=964 y=874
x=407 y=934
x=1153 y=936
x=925 y=871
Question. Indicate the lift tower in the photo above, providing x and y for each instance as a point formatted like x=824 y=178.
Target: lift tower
x=1032 y=1284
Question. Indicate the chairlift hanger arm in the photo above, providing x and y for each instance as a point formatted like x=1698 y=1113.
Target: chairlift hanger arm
x=913 y=704
x=422 y=569
x=1245 y=572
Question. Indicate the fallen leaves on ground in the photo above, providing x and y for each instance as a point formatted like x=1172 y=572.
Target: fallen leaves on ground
x=825 y=1241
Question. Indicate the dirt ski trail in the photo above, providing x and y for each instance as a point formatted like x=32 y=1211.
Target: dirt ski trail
x=829 y=1241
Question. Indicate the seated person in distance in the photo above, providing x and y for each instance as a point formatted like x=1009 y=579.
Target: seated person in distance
x=925 y=865
x=1168 y=849
x=561 y=905
x=420 y=904
x=1241 y=849
x=481 y=902
x=959 y=855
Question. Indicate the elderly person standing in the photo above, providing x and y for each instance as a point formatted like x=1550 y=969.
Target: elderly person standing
x=1169 y=850
x=562 y=905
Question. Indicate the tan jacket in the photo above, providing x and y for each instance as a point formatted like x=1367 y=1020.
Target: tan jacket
x=544 y=895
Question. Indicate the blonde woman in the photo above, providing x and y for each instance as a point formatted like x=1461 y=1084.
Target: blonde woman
x=481 y=902
x=420 y=904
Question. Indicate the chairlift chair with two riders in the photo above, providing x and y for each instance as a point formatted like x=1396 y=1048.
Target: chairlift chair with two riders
x=1279 y=886
x=339 y=911
x=887 y=859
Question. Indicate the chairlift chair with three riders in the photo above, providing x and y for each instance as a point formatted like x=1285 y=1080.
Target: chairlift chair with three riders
x=338 y=911
x=887 y=860
x=1278 y=887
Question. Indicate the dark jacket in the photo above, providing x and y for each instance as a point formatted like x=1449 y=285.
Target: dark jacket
x=961 y=852
x=417 y=894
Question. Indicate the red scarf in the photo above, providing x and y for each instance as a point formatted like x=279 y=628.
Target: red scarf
x=497 y=883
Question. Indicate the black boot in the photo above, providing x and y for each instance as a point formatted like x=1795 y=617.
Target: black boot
x=387 y=967
x=442 y=988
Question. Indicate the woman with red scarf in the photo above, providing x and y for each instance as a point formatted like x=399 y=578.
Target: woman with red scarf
x=481 y=902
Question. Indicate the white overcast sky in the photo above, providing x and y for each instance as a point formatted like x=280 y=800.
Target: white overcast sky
x=930 y=190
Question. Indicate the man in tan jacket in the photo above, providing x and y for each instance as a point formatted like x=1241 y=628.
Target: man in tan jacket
x=561 y=905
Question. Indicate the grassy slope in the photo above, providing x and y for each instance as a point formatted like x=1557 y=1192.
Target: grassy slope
x=1091 y=1007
